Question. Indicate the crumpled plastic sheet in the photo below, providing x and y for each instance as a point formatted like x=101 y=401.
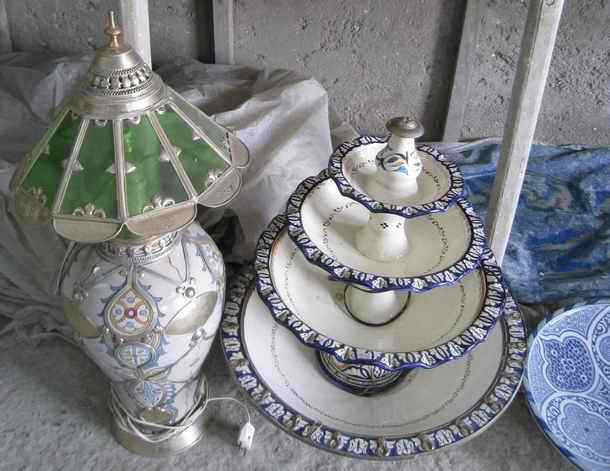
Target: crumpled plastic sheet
x=558 y=246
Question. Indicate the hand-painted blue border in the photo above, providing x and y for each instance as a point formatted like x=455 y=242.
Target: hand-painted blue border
x=493 y=307
x=459 y=430
x=374 y=282
x=455 y=191
x=574 y=459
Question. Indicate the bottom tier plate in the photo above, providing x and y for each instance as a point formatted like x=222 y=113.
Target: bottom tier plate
x=427 y=411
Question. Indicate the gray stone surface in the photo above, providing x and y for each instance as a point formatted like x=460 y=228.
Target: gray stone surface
x=379 y=59
x=575 y=105
x=374 y=61
x=179 y=28
x=54 y=417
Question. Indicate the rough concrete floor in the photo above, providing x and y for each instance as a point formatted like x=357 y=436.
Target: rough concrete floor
x=54 y=417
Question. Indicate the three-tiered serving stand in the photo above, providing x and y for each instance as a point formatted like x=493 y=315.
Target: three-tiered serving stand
x=380 y=326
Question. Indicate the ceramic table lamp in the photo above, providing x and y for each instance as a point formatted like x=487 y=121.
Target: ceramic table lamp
x=121 y=171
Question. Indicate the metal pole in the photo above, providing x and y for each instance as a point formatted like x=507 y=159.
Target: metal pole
x=223 y=32
x=463 y=68
x=5 y=32
x=534 y=60
x=136 y=28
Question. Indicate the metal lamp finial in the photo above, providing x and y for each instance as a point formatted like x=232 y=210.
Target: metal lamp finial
x=113 y=30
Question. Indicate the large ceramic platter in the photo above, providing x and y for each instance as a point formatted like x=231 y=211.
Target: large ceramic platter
x=443 y=247
x=568 y=382
x=440 y=183
x=429 y=410
x=435 y=326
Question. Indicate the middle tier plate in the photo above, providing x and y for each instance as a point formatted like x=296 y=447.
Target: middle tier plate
x=435 y=327
x=443 y=247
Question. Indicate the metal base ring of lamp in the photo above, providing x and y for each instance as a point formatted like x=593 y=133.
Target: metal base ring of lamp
x=153 y=445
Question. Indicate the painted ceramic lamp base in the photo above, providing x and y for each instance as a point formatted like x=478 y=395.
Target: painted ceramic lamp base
x=147 y=312
x=429 y=410
x=359 y=379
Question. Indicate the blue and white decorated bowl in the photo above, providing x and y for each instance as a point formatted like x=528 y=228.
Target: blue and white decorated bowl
x=567 y=382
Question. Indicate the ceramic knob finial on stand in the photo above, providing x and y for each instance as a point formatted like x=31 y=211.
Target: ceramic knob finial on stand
x=398 y=166
x=398 y=163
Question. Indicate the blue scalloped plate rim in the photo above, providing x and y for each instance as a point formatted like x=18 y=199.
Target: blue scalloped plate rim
x=577 y=460
x=456 y=347
x=453 y=193
x=469 y=261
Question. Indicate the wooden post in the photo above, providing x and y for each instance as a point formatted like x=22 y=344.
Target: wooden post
x=534 y=60
x=136 y=27
x=223 y=32
x=5 y=32
x=461 y=78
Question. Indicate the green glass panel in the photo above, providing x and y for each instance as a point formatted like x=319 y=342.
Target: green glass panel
x=212 y=129
x=150 y=180
x=45 y=176
x=197 y=157
x=91 y=189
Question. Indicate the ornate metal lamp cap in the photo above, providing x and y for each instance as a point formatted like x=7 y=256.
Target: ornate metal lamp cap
x=126 y=155
x=119 y=83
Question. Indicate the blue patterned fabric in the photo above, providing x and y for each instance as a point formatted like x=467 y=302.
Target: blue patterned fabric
x=560 y=243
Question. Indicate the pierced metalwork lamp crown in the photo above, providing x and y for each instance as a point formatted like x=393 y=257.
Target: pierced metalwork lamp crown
x=126 y=156
x=122 y=168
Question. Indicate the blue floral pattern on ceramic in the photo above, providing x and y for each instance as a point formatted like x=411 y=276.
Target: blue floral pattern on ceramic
x=569 y=366
x=492 y=309
x=454 y=192
x=566 y=382
x=374 y=282
x=498 y=397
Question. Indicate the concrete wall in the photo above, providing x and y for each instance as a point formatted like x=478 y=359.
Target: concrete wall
x=380 y=58
x=178 y=27
x=377 y=58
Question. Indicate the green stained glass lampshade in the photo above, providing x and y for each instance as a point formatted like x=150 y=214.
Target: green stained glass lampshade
x=126 y=155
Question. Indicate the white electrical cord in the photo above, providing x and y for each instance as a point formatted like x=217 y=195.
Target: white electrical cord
x=130 y=424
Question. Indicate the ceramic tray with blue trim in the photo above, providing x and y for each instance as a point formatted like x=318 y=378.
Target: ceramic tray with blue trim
x=430 y=410
x=567 y=382
x=434 y=327
x=380 y=326
x=443 y=247
x=440 y=182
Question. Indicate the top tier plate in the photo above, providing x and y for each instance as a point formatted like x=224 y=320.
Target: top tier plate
x=440 y=183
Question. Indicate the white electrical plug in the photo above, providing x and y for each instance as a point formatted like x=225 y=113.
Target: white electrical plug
x=246 y=436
